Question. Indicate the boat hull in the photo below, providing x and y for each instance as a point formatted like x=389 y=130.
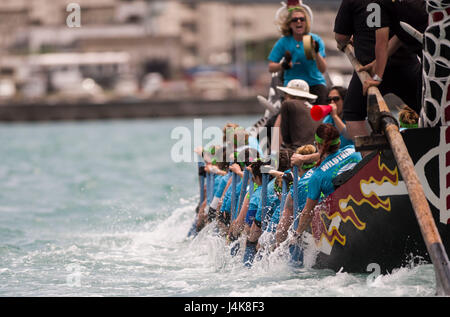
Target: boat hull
x=369 y=219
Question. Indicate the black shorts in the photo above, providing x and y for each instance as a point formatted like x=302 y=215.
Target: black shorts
x=405 y=81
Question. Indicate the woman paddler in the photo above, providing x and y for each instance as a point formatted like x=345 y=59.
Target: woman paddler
x=288 y=214
x=332 y=162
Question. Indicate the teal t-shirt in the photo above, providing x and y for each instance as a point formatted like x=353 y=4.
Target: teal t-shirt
x=217 y=181
x=256 y=198
x=302 y=188
x=334 y=164
x=271 y=200
x=302 y=67
x=226 y=205
x=223 y=180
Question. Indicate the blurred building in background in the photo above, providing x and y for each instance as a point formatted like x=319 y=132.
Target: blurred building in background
x=141 y=49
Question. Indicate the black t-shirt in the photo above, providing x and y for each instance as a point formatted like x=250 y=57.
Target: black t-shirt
x=412 y=12
x=351 y=19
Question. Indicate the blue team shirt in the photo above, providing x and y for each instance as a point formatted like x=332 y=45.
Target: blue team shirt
x=217 y=181
x=221 y=186
x=344 y=140
x=302 y=68
x=253 y=205
x=302 y=188
x=226 y=205
x=271 y=200
x=333 y=165
x=256 y=198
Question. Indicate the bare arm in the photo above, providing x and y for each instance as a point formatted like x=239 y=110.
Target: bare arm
x=340 y=125
x=255 y=233
x=306 y=215
x=215 y=170
x=275 y=173
x=320 y=62
x=237 y=170
x=274 y=67
x=381 y=57
x=299 y=159
x=285 y=221
x=237 y=225
x=342 y=40
x=394 y=44
x=381 y=50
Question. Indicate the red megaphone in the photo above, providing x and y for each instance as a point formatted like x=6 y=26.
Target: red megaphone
x=318 y=112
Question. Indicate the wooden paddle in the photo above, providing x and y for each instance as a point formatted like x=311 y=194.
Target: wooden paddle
x=381 y=120
x=243 y=191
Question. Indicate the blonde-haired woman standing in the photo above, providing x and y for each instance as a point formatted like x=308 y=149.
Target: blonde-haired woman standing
x=295 y=64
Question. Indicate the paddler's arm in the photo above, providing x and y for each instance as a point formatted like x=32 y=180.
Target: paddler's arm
x=275 y=173
x=243 y=212
x=209 y=168
x=306 y=216
x=237 y=170
x=285 y=221
x=238 y=224
x=216 y=170
x=223 y=194
x=299 y=159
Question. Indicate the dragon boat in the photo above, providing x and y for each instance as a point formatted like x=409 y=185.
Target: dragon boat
x=372 y=218
x=369 y=219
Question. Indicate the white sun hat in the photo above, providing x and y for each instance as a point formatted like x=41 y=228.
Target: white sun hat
x=298 y=88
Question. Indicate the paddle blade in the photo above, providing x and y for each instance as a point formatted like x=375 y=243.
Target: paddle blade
x=318 y=112
x=394 y=102
x=235 y=248
x=296 y=255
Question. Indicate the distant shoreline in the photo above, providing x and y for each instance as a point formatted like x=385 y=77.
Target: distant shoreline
x=30 y=112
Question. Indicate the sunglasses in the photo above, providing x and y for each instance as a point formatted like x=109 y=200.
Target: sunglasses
x=335 y=99
x=298 y=19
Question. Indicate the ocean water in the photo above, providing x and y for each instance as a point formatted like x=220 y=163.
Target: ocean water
x=99 y=208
